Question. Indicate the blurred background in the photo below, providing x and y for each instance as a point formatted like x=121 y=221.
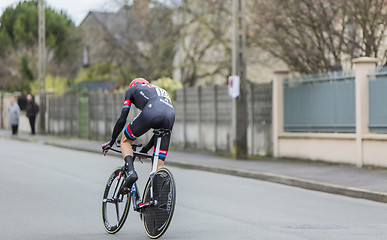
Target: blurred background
x=291 y=92
x=92 y=50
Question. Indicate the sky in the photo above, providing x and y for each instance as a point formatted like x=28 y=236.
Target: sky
x=75 y=9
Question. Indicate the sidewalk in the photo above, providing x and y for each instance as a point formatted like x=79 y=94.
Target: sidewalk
x=344 y=180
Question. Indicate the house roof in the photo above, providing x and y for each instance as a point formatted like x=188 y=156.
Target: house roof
x=119 y=25
x=115 y=24
x=125 y=24
x=93 y=86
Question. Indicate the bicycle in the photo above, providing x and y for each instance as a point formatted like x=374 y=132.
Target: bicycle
x=158 y=202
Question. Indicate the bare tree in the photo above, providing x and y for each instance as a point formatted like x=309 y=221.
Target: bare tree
x=313 y=36
x=204 y=45
x=140 y=38
x=370 y=21
x=146 y=36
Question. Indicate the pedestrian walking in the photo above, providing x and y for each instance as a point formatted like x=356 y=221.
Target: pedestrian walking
x=13 y=116
x=32 y=110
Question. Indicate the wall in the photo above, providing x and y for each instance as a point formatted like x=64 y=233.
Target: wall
x=361 y=147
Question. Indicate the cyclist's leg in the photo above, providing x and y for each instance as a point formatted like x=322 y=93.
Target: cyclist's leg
x=126 y=146
x=163 y=150
x=127 y=153
x=135 y=129
x=167 y=123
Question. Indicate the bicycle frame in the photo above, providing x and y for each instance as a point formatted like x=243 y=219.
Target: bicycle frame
x=134 y=188
x=151 y=174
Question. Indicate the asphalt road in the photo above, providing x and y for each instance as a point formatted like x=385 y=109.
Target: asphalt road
x=53 y=193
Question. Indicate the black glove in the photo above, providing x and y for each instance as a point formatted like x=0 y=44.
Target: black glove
x=106 y=147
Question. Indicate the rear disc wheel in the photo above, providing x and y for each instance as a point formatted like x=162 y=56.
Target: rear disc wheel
x=157 y=218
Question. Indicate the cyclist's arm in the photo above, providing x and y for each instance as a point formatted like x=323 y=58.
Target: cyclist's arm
x=120 y=124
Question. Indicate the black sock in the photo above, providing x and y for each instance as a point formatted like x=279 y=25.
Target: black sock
x=132 y=178
x=129 y=163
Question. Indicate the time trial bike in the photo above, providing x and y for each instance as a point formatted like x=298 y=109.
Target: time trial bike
x=157 y=204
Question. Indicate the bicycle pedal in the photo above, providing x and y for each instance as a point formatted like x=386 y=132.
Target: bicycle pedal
x=145 y=204
x=124 y=191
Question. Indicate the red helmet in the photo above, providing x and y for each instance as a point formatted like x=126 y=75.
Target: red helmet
x=138 y=81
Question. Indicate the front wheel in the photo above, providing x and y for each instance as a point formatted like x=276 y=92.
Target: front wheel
x=156 y=218
x=115 y=206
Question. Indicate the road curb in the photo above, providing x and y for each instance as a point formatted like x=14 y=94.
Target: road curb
x=290 y=181
x=263 y=176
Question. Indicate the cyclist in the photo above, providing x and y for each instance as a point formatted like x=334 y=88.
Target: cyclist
x=156 y=112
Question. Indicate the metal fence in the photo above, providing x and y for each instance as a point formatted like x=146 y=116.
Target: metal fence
x=260 y=119
x=320 y=103
x=64 y=115
x=203 y=117
x=90 y=116
x=378 y=100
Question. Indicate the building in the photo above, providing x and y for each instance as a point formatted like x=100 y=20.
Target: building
x=205 y=46
x=201 y=54
x=130 y=39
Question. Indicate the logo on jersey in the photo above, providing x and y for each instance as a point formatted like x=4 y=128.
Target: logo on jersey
x=166 y=101
x=143 y=94
x=162 y=93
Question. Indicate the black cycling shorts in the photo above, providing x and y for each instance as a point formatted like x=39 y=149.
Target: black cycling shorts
x=155 y=115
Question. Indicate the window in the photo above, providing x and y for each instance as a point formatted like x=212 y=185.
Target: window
x=86 y=57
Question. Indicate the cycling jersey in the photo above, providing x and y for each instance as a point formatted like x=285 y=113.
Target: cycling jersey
x=156 y=112
x=142 y=94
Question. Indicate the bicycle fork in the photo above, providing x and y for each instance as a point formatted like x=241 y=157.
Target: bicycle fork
x=118 y=184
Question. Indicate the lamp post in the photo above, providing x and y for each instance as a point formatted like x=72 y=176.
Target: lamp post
x=42 y=65
x=239 y=114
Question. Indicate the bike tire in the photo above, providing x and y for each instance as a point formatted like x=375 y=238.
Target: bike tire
x=120 y=206
x=157 y=218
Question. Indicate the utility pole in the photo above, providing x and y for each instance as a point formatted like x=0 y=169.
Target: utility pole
x=239 y=115
x=42 y=66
